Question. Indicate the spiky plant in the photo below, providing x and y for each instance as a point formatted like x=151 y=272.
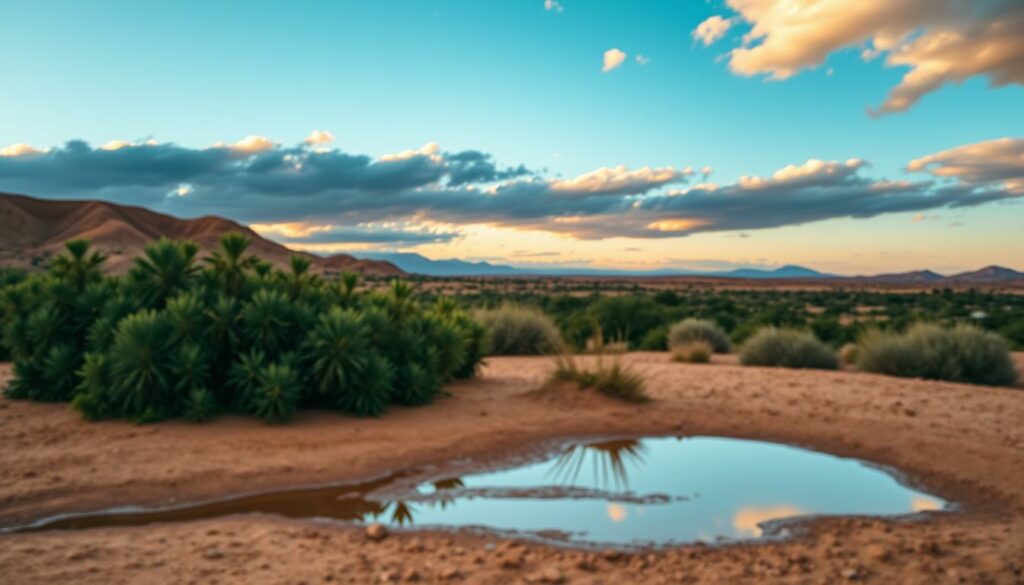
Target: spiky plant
x=140 y=365
x=101 y=332
x=245 y=377
x=43 y=328
x=369 y=393
x=230 y=263
x=200 y=405
x=77 y=265
x=59 y=366
x=266 y=322
x=278 y=394
x=298 y=280
x=415 y=383
x=401 y=303
x=346 y=288
x=450 y=342
x=186 y=315
x=476 y=345
x=336 y=349
x=28 y=376
x=191 y=368
x=94 y=398
x=166 y=268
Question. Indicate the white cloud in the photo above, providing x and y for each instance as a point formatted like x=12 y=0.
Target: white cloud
x=982 y=163
x=621 y=180
x=553 y=5
x=642 y=60
x=940 y=41
x=251 y=144
x=430 y=150
x=21 y=149
x=712 y=29
x=612 y=59
x=319 y=137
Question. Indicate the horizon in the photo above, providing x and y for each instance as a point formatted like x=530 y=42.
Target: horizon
x=620 y=136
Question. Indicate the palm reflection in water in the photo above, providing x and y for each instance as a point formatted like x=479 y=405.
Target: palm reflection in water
x=609 y=461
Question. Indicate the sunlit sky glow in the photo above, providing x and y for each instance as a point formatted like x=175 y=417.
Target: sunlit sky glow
x=858 y=136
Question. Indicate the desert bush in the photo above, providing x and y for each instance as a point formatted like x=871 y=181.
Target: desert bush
x=963 y=353
x=693 y=352
x=180 y=338
x=613 y=379
x=628 y=318
x=689 y=331
x=516 y=330
x=848 y=353
x=787 y=348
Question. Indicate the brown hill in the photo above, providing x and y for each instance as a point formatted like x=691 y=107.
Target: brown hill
x=32 y=230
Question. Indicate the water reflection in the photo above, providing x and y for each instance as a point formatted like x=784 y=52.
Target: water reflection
x=656 y=490
x=609 y=460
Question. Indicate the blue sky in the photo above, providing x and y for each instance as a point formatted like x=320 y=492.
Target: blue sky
x=511 y=79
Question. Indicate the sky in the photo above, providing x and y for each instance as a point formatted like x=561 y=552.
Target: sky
x=851 y=136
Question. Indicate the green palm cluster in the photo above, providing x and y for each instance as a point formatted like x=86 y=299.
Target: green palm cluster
x=183 y=337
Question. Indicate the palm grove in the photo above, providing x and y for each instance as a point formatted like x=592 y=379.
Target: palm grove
x=180 y=337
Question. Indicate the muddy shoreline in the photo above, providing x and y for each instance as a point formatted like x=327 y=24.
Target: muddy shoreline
x=962 y=443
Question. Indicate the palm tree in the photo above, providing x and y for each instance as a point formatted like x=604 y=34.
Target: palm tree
x=278 y=394
x=166 y=268
x=230 y=262
x=298 y=280
x=267 y=322
x=77 y=265
x=140 y=366
x=337 y=348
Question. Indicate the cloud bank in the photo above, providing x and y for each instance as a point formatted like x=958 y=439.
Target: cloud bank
x=938 y=41
x=313 y=193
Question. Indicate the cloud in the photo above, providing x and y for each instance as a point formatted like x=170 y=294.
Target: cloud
x=746 y=521
x=20 y=149
x=249 y=145
x=612 y=59
x=642 y=60
x=396 y=195
x=712 y=29
x=989 y=162
x=319 y=137
x=553 y=6
x=939 y=41
x=306 y=233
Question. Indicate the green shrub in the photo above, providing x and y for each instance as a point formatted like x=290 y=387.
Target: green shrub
x=693 y=352
x=200 y=405
x=628 y=318
x=691 y=330
x=964 y=353
x=277 y=396
x=787 y=348
x=518 y=330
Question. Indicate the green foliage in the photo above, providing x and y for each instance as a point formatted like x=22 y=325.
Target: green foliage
x=787 y=348
x=964 y=353
x=627 y=318
x=177 y=338
x=693 y=330
x=277 y=395
x=614 y=380
x=693 y=352
x=518 y=330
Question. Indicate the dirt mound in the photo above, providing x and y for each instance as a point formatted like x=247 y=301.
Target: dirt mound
x=33 y=230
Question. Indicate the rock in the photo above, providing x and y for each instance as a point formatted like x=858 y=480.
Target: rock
x=212 y=554
x=387 y=577
x=849 y=574
x=552 y=575
x=585 y=564
x=410 y=576
x=610 y=554
x=511 y=563
x=877 y=552
x=449 y=573
x=376 y=532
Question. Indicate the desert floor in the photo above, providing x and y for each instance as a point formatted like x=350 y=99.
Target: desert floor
x=963 y=443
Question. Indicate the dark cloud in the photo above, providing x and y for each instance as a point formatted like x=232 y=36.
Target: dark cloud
x=258 y=181
x=365 y=235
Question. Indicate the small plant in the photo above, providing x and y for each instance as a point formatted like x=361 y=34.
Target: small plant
x=616 y=380
x=963 y=353
x=787 y=348
x=278 y=394
x=693 y=352
x=200 y=405
x=520 y=331
x=848 y=353
x=691 y=330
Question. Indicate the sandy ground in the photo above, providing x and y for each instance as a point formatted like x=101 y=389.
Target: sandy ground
x=961 y=442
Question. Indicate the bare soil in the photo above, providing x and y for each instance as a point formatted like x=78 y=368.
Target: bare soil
x=964 y=443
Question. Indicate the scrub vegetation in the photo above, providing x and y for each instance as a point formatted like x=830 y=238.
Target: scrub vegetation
x=183 y=337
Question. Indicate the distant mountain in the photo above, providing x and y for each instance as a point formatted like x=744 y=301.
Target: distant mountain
x=915 y=277
x=987 y=275
x=32 y=230
x=418 y=264
x=788 y=271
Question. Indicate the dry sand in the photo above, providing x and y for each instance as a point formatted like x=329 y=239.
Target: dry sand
x=964 y=443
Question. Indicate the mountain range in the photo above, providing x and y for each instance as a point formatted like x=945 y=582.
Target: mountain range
x=32 y=230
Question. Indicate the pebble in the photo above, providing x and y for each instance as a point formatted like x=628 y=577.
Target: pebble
x=213 y=554
x=552 y=575
x=376 y=532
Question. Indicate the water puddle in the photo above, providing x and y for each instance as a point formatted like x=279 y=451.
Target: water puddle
x=658 y=491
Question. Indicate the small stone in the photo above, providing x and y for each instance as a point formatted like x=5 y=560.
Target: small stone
x=584 y=564
x=449 y=573
x=410 y=575
x=511 y=563
x=212 y=554
x=610 y=554
x=376 y=532
x=552 y=575
x=849 y=574
x=877 y=552
x=388 y=577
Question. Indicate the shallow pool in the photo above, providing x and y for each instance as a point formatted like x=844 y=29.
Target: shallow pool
x=659 y=490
